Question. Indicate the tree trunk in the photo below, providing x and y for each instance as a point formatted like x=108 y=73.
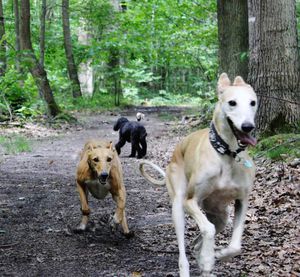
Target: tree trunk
x=2 y=42
x=114 y=62
x=233 y=37
x=37 y=71
x=42 y=31
x=17 y=31
x=274 y=67
x=72 y=70
x=42 y=36
x=114 y=68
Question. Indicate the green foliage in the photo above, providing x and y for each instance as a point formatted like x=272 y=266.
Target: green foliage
x=18 y=96
x=281 y=146
x=167 y=51
x=14 y=144
x=11 y=90
x=25 y=112
x=100 y=101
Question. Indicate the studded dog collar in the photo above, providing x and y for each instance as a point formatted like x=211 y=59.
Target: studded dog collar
x=220 y=145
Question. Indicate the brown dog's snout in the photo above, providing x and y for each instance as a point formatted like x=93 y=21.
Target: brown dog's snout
x=247 y=127
x=103 y=176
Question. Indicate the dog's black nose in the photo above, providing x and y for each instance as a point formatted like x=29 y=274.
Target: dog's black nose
x=103 y=176
x=247 y=127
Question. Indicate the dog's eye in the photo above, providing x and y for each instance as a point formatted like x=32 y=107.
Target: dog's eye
x=253 y=103
x=109 y=159
x=96 y=159
x=232 y=103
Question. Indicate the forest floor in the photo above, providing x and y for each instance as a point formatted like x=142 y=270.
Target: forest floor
x=39 y=207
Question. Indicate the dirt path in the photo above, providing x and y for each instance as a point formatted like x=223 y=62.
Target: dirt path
x=39 y=206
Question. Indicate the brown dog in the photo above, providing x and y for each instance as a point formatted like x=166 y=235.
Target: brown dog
x=99 y=172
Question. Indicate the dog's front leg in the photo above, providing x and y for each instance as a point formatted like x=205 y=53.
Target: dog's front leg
x=234 y=247
x=85 y=210
x=120 y=216
x=206 y=255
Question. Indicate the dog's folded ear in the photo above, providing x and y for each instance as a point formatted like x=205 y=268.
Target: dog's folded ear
x=223 y=83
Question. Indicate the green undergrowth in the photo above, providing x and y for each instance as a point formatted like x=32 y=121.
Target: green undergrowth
x=14 y=144
x=278 y=147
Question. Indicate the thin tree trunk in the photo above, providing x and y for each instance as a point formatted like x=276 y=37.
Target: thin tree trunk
x=2 y=42
x=114 y=62
x=233 y=37
x=17 y=31
x=42 y=36
x=37 y=71
x=72 y=69
x=42 y=31
x=114 y=67
x=274 y=68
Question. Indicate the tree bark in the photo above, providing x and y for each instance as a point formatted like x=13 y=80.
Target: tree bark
x=72 y=69
x=114 y=68
x=274 y=67
x=38 y=72
x=2 y=42
x=17 y=31
x=114 y=62
x=233 y=37
x=42 y=31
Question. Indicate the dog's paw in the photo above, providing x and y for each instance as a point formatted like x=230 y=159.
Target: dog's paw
x=227 y=253
x=129 y=235
x=80 y=229
x=131 y=156
x=207 y=274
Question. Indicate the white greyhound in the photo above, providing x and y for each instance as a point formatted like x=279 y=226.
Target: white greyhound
x=209 y=169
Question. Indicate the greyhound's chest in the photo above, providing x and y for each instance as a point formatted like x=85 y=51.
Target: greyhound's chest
x=225 y=183
x=97 y=189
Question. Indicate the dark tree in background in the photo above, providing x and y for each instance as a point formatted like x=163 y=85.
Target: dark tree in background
x=38 y=72
x=2 y=42
x=17 y=32
x=43 y=31
x=233 y=37
x=72 y=69
x=114 y=61
x=274 y=65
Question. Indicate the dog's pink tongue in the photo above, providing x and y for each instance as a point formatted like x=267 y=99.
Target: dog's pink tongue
x=247 y=139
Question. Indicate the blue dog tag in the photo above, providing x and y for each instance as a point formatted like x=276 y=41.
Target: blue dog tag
x=247 y=164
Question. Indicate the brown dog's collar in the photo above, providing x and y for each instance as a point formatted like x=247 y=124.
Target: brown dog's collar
x=220 y=145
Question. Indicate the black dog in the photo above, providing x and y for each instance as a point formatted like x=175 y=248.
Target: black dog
x=134 y=132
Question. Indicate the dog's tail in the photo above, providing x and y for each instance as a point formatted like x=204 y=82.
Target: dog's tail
x=150 y=178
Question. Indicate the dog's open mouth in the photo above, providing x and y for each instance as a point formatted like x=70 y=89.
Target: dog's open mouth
x=242 y=137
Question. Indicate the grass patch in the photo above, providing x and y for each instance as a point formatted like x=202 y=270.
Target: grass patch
x=14 y=144
x=278 y=147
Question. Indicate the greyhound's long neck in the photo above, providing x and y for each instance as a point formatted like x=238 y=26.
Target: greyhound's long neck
x=224 y=130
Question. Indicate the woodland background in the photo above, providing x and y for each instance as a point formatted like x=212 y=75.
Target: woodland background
x=68 y=69
x=59 y=56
